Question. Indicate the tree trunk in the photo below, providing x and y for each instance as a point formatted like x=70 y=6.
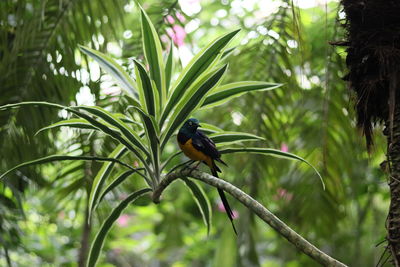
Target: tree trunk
x=373 y=59
x=83 y=251
x=393 y=220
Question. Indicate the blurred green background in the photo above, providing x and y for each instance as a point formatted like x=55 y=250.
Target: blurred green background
x=43 y=208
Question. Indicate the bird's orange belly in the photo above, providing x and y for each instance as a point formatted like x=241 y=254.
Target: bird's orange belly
x=193 y=153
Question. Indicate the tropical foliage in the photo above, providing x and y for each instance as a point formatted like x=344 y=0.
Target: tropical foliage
x=93 y=175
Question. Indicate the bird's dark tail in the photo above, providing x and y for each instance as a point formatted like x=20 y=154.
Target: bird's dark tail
x=228 y=209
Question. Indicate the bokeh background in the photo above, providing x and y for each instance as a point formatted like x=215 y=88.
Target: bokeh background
x=43 y=208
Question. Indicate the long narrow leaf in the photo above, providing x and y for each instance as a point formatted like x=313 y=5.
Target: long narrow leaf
x=108 y=130
x=229 y=91
x=32 y=103
x=60 y=158
x=209 y=128
x=202 y=202
x=273 y=153
x=114 y=121
x=202 y=62
x=114 y=69
x=153 y=53
x=98 y=242
x=168 y=160
x=102 y=175
x=117 y=181
x=75 y=111
x=146 y=91
x=190 y=102
x=169 y=66
x=74 y=123
x=152 y=133
x=228 y=137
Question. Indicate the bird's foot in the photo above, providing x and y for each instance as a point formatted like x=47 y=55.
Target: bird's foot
x=194 y=168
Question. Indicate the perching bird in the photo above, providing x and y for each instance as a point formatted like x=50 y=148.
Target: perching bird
x=197 y=146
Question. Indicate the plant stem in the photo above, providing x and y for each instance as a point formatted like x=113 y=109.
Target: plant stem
x=297 y=240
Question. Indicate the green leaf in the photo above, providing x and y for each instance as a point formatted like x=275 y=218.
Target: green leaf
x=228 y=137
x=169 y=66
x=98 y=242
x=62 y=157
x=75 y=123
x=227 y=53
x=114 y=121
x=152 y=134
x=153 y=53
x=105 y=128
x=114 y=69
x=202 y=202
x=146 y=93
x=229 y=91
x=124 y=118
x=117 y=181
x=32 y=103
x=101 y=177
x=171 y=157
x=209 y=128
x=274 y=153
x=201 y=63
x=192 y=100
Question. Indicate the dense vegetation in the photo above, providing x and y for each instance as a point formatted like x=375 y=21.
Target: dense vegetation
x=47 y=214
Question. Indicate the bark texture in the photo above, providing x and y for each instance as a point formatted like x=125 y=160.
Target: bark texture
x=393 y=220
x=253 y=205
x=373 y=59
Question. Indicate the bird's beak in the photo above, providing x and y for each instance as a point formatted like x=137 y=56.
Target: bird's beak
x=198 y=125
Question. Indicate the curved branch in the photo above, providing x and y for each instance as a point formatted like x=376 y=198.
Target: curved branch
x=297 y=240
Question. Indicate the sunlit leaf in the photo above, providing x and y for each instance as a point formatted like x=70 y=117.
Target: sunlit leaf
x=192 y=100
x=201 y=63
x=146 y=90
x=169 y=66
x=152 y=133
x=114 y=69
x=153 y=53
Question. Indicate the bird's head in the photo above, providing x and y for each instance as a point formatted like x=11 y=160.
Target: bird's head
x=191 y=125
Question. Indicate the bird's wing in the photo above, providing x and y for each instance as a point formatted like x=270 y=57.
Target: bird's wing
x=204 y=144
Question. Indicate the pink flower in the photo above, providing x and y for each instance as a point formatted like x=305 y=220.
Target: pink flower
x=123 y=220
x=283 y=194
x=221 y=208
x=180 y=17
x=170 y=19
x=284 y=147
x=178 y=34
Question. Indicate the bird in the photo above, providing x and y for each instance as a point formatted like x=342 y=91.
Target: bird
x=198 y=147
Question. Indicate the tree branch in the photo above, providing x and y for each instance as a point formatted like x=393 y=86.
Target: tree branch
x=298 y=241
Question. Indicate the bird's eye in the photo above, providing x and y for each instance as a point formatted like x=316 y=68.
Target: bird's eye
x=190 y=123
